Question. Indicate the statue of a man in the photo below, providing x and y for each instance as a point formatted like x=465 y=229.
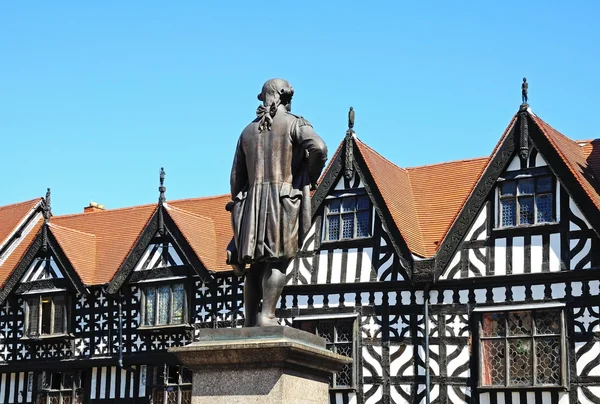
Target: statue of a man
x=524 y=91
x=279 y=158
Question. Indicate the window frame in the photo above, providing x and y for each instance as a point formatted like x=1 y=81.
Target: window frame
x=165 y=387
x=340 y=196
x=40 y=298
x=47 y=395
x=156 y=287
x=299 y=321
x=506 y=310
x=532 y=174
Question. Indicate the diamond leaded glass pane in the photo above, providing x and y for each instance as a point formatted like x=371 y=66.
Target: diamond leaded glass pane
x=544 y=208
x=362 y=224
x=547 y=322
x=333 y=206
x=333 y=227
x=526 y=210
x=493 y=325
x=178 y=304
x=519 y=364
x=150 y=311
x=493 y=362
x=508 y=212
x=59 y=314
x=34 y=316
x=344 y=377
x=348 y=204
x=348 y=225
x=325 y=330
x=344 y=331
x=547 y=351
x=164 y=303
x=525 y=187
x=362 y=202
x=508 y=188
x=519 y=323
x=544 y=184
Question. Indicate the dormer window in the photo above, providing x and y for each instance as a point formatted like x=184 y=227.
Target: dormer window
x=347 y=217
x=46 y=315
x=164 y=305
x=526 y=201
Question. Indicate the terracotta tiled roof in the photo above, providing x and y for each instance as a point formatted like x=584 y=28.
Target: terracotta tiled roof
x=8 y=266
x=199 y=232
x=440 y=191
x=214 y=208
x=12 y=215
x=394 y=185
x=80 y=249
x=423 y=201
x=115 y=233
x=581 y=161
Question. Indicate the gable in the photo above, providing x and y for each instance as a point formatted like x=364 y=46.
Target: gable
x=42 y=268
x=160 y=254
x=495 y=242
x=323 y=260
x=161 y=251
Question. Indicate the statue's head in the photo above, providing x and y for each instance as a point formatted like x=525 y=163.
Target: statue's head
x=524 y=80
x=276 y=92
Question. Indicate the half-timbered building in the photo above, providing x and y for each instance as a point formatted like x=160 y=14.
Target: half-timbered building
x=473 y=281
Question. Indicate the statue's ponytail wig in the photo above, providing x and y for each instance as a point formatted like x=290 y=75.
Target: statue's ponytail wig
x=275 y=92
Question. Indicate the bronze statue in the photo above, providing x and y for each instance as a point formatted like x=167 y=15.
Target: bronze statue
x=278 y=160
x=524 y=90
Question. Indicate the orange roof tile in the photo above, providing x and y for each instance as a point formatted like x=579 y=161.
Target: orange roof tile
x=575 y=157
x=214 y=208
x=440 y=190
x=80 y=249
x=12 y=215
x=199 y=232
x=115 y=233
x=394 y=185
x=8 y=266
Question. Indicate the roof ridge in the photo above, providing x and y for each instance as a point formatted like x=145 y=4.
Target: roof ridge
x=448 y=162
x=379 y=154
x=146 y=205
x=53 y=225
x=184 y=211
x=30 y=201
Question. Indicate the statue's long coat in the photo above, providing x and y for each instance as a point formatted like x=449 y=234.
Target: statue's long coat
x=270 y=187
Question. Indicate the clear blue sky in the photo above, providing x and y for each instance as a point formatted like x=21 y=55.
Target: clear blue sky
x=96 y=96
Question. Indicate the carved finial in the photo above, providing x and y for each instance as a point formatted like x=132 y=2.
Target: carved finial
x=162 y=188
x=47 y=206
x=524 y=91
x=349 y=147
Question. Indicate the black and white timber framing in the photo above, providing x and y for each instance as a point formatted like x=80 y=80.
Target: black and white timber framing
x=368 y=282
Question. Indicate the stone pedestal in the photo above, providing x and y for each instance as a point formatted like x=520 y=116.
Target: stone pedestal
x=259 y=365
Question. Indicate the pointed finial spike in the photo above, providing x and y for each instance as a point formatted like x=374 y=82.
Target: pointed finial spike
x=47 y=206
x=525 y=91
x=162 y=188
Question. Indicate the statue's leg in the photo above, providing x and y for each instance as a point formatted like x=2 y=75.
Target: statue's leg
x=273 y=281
x=252 y=293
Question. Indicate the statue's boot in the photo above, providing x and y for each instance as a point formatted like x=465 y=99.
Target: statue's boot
x=273 y=281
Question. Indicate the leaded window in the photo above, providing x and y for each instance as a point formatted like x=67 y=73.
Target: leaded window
x=347 y=218
x=172 y=385
x=526 y=201
x=60 y=388
x=164 y=305
x=340 y=337
x=46 y=315
x=522 y=348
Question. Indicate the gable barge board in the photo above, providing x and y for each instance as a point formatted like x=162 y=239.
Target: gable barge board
x=32 y=252
x=474 y=203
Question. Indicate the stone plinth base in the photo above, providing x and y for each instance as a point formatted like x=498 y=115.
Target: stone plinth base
x=259 y=365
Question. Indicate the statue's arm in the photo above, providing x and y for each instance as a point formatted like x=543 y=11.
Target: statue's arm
x=239 y=175
x=308 y=139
